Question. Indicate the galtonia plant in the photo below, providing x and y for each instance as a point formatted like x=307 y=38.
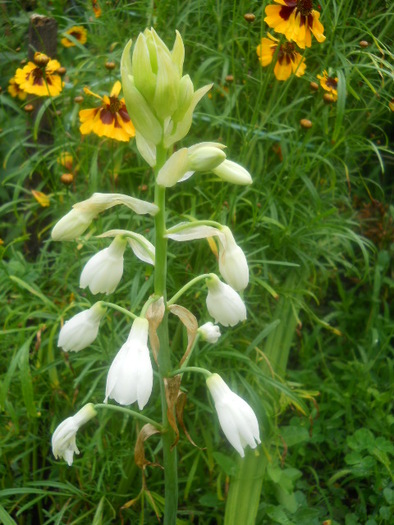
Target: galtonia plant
x=160 y=101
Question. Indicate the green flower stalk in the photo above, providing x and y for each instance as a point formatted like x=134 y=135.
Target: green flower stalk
x=160 y=101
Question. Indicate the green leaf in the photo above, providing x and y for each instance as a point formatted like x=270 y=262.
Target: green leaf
x=98 y=515
x=5 y=518
x=293 y=435
x=26 y=380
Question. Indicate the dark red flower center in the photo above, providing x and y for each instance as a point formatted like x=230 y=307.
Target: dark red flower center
x=76 y=34
x=114 y=105
x=38 y=75
x=304 y=7
x=286 y=53
x=332 y=83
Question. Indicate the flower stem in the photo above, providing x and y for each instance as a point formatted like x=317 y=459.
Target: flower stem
x=130 y=412
x=164 y=358
x=187 y=286
x=197 y=369
x=119 y=308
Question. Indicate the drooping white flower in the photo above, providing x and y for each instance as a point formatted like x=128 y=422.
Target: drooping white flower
x=232 y=261
x=209 y=332
x=142 y=248
x=223 y=303
x=63 y=439
x=74 y=223
x=237 y=419
x=81 y=330
x=104 y=270
x=130 y=377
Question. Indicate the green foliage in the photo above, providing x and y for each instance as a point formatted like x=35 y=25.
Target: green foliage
x=317 y=230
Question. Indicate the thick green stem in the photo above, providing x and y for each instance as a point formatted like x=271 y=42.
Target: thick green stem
x=164 y=357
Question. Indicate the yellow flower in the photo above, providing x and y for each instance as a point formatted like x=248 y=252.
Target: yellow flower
x=15 y=90
x=78 y=32
x=96 y=8
x=42 y=199
x=330 y=84
x=40 y=80
x=288 y=61
x=110 y=119
x=296 y=20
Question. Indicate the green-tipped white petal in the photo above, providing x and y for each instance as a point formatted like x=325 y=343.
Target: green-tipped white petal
x=237 y=419
x=73 y=224
x=100 y=202
x=178 y=52
x=144 y=77
x=205 y=156
x=103 y=272
x=130 y=377
x=147 y=149
x=174 y=169
x=64 y=438
x=182 y=128
x=81 y=330
x=188 y=231
x=142 y=248
x=223 y=303
x=232 y=261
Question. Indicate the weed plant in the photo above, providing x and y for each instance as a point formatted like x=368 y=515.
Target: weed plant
x=317 y=228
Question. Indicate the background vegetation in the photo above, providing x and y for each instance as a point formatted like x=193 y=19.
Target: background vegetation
x=317 y=228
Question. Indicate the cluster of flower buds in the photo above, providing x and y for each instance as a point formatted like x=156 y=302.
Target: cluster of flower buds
x=160 y=101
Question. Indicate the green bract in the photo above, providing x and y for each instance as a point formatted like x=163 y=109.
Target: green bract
x=159 y=100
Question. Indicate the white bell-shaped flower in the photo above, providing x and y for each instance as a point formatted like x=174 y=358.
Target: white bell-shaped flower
x=232 y=261
x=81 y=330
x=209 y=332
x=223 y=303
x=237 y=419
x=63 y=439
x=130 y=377
x=104 y=270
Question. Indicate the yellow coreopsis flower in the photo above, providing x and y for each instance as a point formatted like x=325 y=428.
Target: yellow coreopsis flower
x=78 y=32
x=329 y=84
x=96 y=8
x=288 y=61
x=111 y=119
x=40 y=78
x=15 y=90
x=296 y=19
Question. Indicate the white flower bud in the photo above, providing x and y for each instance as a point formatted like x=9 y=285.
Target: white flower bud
x=72 y=225
x=223 y=303
x=104 y=270
x=64 y=438
x=232 y=261
x=230 y=171
x=209 y=332
x=205 y=156
x=81 y=330
x=130 y=377
x=237 y=419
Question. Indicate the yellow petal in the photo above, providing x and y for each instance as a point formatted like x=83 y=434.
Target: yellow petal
x=41 y=198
